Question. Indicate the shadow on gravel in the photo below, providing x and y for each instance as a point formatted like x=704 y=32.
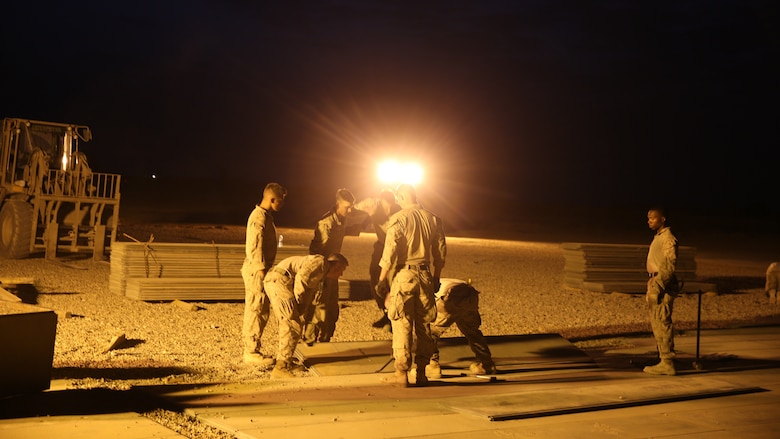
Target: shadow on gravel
x=27 y=293
x=79 y=402
x=132 y=373
x=684 y=366
x=735 y=284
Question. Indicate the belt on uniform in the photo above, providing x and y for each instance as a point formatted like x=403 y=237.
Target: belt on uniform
x=281 y=271
x=652 y=274
x=421 y=267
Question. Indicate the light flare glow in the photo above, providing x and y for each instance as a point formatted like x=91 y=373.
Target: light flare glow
x=394 y=172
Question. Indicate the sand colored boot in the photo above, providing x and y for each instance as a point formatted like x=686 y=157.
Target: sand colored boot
x=433 y=370
x=664 y=367
x=282 y=371
x=480 y=368
x=258 y=359
x=773 y=297
x=287 y=369
x=397 y=379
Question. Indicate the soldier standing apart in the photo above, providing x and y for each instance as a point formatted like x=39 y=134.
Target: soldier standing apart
x=662 y=288
x=415 y=240
x=772 y=286
x=379 y=211
x=260 y=255
x=291 y=286
x=323 y=314
x=458 y=302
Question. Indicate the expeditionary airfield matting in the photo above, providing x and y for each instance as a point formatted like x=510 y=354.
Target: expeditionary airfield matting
x=574 y=381
x=511 y=353
x=162 y=271
x=622 y=268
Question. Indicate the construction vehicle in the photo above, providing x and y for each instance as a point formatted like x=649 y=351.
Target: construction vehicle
x=50 y=199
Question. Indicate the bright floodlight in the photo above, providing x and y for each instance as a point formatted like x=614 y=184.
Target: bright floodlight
x=393 y=172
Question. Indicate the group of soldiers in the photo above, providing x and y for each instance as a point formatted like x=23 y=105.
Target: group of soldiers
x=417 y=305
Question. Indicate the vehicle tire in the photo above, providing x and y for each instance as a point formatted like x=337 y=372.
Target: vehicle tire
x=16 y=219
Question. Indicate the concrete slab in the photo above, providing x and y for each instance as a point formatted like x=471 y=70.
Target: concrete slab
x=87 y=413
x=125 y=425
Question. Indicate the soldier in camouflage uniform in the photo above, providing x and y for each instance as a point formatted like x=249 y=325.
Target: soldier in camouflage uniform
x=773 y=282
x=378 y=211
x=260 y=255
x=323 y=314
x=662 y=289
x=457 y=302
x=291 y=286
x=415 y=248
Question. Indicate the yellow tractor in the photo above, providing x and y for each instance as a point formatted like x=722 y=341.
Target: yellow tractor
x=50 y=199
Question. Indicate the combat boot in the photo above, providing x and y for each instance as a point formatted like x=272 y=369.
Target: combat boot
x=664 y=367
x=281 y=371
x=433 y=370
x=480 y=368
x=258 y=359
x=397 y=379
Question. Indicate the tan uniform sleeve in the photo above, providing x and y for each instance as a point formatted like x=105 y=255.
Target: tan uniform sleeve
x=308 y=278
x=260 y=242
x=438 y=248
x=668 y=261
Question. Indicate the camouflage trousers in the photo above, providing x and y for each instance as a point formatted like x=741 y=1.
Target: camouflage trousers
x=661 y=322
x=288 y=314
x=772 y=286
x=464 y=313
x=411 y=307
x=323 y=313
x=257 y=311
x=373 y=273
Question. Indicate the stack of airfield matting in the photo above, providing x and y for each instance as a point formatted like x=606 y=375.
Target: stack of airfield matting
x=162 y=271
x=622 y=268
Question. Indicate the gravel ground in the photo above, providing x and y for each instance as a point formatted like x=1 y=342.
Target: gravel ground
x=522 y=293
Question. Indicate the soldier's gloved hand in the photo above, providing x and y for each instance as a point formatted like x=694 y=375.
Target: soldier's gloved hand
x=436 y=284
x=382 y=289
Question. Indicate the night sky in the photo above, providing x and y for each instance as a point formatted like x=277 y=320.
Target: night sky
x=506 y=103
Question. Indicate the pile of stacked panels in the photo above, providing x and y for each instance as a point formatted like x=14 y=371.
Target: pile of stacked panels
x=161 y=271
x=622 y=268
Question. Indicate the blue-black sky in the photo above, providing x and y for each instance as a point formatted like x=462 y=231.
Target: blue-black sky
x=593 y=102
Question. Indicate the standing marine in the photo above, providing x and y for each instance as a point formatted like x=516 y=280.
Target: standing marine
x=322 y=315
x=415 y=248
x=662 y=289
x=260 y=256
